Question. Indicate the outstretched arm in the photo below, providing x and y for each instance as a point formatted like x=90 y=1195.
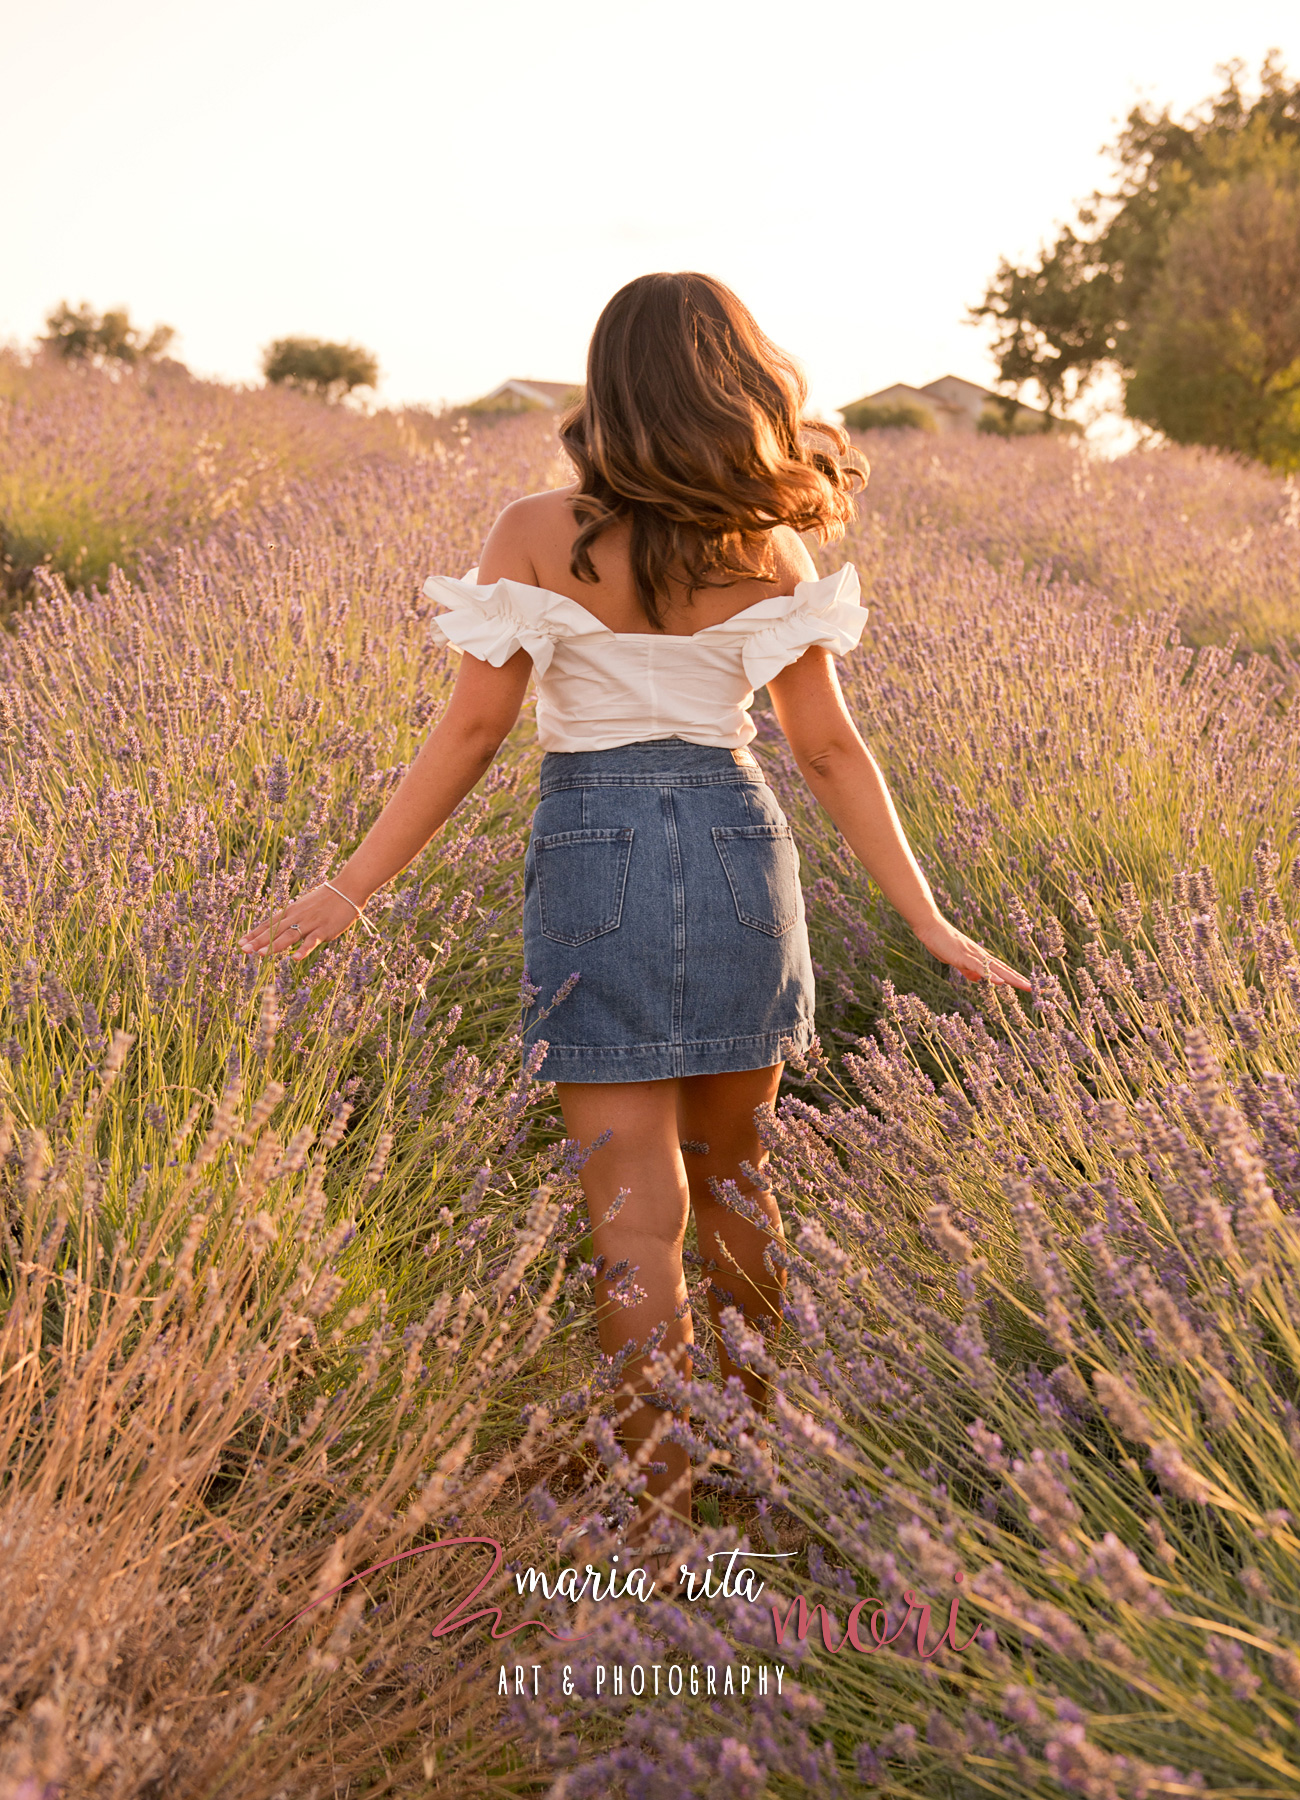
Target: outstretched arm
x=484 y=705
x=844 y=776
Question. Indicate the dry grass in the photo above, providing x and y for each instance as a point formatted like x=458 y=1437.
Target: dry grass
x=198 y=1441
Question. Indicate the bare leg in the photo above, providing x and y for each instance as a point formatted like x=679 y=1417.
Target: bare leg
x=643 y=1156
x=718 y=1111
x=648 y=1121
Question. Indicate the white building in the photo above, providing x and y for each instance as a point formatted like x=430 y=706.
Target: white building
x=953 y=404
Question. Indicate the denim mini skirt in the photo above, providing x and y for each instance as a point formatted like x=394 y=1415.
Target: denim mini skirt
x=664 y=876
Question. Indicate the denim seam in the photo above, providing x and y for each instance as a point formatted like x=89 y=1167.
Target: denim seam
x=660 y=778
x=615 y=1052
x=679 y=913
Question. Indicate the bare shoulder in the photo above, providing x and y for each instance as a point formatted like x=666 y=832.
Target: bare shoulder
x=539 y=515
x=791 y=557
x=526 y=533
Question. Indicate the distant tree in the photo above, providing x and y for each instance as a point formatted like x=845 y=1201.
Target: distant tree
x=330 y=370
x=1005 y=417
x=1081 y=306
x=88 y=336
x=1217 y=358
x=862 y=415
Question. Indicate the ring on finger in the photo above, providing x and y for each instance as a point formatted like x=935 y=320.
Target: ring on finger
x=297 y=928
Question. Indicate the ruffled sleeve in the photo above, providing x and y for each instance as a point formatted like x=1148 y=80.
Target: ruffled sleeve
x=493 y=622
x=826 y=612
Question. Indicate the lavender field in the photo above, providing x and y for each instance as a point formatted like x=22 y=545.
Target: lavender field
x=293 y=1257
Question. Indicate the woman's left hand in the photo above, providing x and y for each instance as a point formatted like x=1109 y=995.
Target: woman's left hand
x=313 y=918
x=971 y=959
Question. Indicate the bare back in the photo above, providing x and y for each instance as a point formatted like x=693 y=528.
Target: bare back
x=533 y=539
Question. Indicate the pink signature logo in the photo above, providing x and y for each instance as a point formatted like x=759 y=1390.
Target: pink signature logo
x=459 y=1616
x=450 y=1621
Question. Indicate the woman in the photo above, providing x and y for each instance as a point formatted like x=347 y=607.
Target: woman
x=650 y=598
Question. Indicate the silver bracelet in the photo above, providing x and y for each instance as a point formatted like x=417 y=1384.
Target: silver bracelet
x=352 y=903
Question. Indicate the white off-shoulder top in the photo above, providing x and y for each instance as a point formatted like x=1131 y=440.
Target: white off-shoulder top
x=597 y=688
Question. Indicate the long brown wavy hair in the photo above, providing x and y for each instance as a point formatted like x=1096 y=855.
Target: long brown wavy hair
x=691 y=426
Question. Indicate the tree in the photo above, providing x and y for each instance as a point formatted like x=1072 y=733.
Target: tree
x=1217 y=358
x=1079 y=308
x=87 y=336
x=330 y=370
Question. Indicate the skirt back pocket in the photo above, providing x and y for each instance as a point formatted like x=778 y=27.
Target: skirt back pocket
x=762 y=869
x=581 y=876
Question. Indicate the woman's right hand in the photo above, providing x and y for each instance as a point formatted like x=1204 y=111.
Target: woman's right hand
x=312 y=919
x=971 y=959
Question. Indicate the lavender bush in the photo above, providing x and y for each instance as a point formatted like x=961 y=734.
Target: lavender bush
x=100 y=466
x=1033 y=744
x=244 y=1335
x=1213 y=538
x=295 y=1274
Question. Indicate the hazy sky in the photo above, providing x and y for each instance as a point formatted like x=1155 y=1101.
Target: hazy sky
x=460 y=186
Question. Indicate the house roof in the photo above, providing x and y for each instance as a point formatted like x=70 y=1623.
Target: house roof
x=957 y=391
x=950 y=392
x=551 y=394
x=899 y=394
